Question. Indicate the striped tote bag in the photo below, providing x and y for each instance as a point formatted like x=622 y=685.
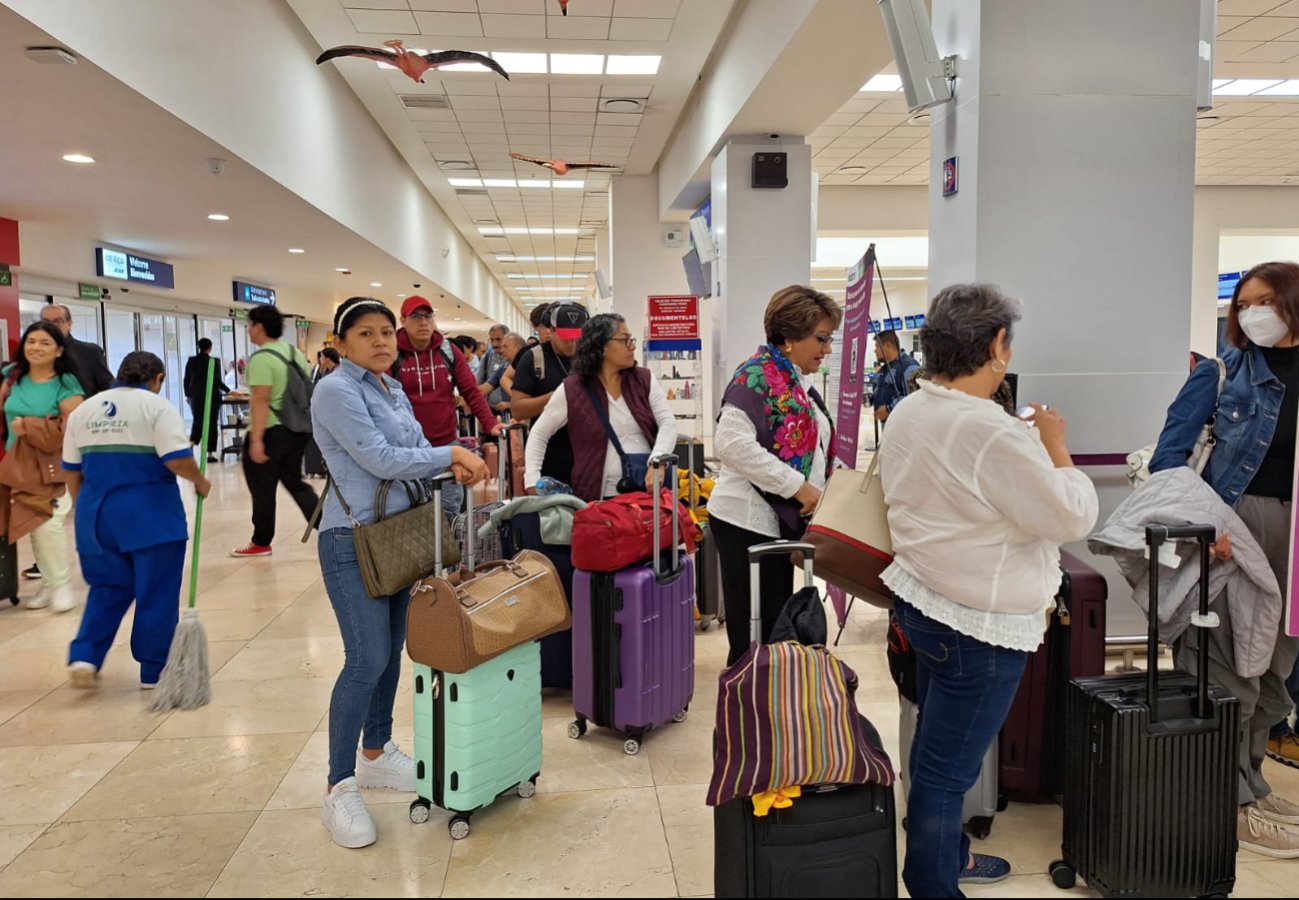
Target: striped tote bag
x=786 y=715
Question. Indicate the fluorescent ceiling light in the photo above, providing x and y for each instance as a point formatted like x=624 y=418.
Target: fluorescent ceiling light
x=576 y=64
x=342 y=269
x=79 y=158
x=1243 y=87
x=401 y=296
x=522 y=63
x=493 y=229
x=465 y=182
x=512 y=258
x=296 y=250
x=500 y=183
x=1284 y=89
x=547 y=290
x=633 y=65
x=569 y=277
x=218 y=217
x=534 y=183
x=572 y=185
x=490 y=229
x=375 y=284
x=883 y=84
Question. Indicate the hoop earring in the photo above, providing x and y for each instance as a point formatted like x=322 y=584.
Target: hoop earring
x=995 y=370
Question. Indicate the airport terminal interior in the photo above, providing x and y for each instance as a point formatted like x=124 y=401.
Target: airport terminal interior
x=186 y=182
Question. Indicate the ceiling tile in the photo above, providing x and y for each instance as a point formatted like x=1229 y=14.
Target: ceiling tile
x=383 y=21
x=1246 y=7
x=510 y=89
x=845 y=119
x=444 y=127
x=575 y=90
x=647 y=9
x=1226 y=23
x=577 y=28
x=572 y=130
x=629 y=91
x=529 y=117
x=444 y=25
x=483 y=128
x=640 y=29
x=480 y=115
x=431 y=115
x=614 y=131
x=1286 y=9
x=470 y=101
x=537 y=104
x=870 y=131
x=516 y=7
x=630 y=120
x=460 y=6
x=524 y=128
x=481 y=88
x=1229 y=51
x=573 y=104
x=568 y=118
x=1262 y=29
x=1272 y=51
x=382 y=4
x=879 y=119
x=514 y=26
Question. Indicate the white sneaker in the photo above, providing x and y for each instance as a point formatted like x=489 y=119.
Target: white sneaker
x=347 y=818
x=394 y=770
x=84 y=674
x=62 y=599
x=40 y=601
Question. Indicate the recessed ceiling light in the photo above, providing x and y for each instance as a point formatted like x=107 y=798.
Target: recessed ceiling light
x=569 y=185
x=576 y=64
x=852 y=170
x=633 y=65
x=623 y=105
x=1243 y=87
x=534 y=182
x=343 y=269
x=219 y=217
x=1284 y=89
x=465 y=182
x=456 y=164
x=883 y=84
x=500 y=183
x=522 y=63
x=375 y=284
x=79 y=158
x=296 y=250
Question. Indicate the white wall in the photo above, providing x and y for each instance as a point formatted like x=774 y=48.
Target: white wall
x=641 y=263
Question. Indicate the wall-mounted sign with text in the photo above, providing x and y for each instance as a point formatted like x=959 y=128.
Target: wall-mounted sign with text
x=128 y=267
x=254 y=293
x=88 y=291
x=673 y=323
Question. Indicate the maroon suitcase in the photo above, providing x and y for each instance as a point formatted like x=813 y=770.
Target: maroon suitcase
x=1031 y=749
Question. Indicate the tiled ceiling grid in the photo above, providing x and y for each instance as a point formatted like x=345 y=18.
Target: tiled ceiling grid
x=587 y=20
x=1258 y=31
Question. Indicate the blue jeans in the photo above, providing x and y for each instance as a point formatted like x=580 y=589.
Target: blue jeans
x=965 y=690
x=374 y=634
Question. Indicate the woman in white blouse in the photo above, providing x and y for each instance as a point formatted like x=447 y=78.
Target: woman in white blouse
x=774 y=439
x=616 y=414
x=979 y=504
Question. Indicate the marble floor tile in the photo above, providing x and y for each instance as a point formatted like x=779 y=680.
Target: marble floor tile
x=237 y=624
x=186 y=775
x=272 y=659
x=304 y=784
x=39 y=784
x=39 y=668
x=682 y=752
x=688 y=824
x=14 y=839
x=122 y=671
x=303 y=620
x=13 y=627
x=595 y=762
x=14 y=702
x=288 y=853
x=576 y=844
x=145 y=857
x=253 y=707
x=83 y=717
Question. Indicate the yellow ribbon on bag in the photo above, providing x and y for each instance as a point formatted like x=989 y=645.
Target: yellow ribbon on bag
x=779 y=799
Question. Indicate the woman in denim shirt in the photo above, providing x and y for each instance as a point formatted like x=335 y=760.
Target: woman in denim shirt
x=1252 y=469
x=367 y=433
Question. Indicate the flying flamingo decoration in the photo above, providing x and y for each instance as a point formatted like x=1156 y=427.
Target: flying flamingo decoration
x=563 y=6
x=413 y=64
x=559 y=166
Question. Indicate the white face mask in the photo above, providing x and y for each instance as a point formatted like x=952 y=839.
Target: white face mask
x=1263 y=326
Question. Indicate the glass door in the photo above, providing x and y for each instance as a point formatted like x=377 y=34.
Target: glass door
x=122 y=333
x=181 y=343
x=85 y=321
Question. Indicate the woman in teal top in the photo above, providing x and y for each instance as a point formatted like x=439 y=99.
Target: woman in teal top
x=43 y=382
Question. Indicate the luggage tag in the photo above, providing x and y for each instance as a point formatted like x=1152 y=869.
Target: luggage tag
x=1168 y=557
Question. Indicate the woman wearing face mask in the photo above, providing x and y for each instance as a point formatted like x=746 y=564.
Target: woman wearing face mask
x=1252 y=469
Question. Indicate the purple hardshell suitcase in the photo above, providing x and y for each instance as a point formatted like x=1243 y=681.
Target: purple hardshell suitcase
x=633 y=641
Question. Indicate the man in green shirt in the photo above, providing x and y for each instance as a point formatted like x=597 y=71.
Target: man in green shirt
x=273 y=454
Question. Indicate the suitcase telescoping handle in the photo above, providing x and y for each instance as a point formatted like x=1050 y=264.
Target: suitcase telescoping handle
x=505 y=451
x=438 y=482
x=756 y=553
x=1156 y=536
x=668 y=459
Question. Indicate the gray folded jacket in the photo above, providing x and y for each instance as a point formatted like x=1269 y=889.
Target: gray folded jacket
x=556 y=512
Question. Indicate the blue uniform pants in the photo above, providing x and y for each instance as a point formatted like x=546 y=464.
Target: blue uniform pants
x=150 y=577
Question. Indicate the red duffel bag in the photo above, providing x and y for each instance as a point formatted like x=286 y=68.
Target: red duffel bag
x=617 y=533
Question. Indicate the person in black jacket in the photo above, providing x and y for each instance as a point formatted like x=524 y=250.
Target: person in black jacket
x=92 y=369
x=195 y=384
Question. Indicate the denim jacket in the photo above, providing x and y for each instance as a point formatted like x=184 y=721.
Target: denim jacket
x=1247 y=416
x=367 y=435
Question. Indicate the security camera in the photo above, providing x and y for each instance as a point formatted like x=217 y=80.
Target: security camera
x=417 y=286
x=125 y=290
x=774 y=137
x=105 y=292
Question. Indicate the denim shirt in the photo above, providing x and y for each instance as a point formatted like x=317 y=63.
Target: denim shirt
x=368 y=435
x=1247 y=416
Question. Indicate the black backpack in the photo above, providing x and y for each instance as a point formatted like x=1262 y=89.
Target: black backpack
x=294 y=411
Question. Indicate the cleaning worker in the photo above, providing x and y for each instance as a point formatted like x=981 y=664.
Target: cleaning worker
x=122 y=451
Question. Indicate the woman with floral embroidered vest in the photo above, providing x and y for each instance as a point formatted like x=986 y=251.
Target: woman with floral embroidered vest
x=775 y=442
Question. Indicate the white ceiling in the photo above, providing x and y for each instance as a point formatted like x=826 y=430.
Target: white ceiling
x=543 y=115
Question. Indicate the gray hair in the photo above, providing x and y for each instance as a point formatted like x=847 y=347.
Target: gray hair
x=962 y=323
x=67 y=313
x=516 y=337
x=501 y=328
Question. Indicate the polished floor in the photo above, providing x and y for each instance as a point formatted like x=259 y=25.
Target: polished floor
x=100 y=798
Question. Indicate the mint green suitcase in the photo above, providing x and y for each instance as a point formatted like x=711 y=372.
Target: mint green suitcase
x=477 y=735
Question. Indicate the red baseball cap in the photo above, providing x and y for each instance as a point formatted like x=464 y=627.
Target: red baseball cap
x=414 y=303
x=567 y=319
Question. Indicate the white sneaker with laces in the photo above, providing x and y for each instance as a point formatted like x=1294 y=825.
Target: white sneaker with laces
x=347 y=818
x=84 y=675
x=40 y=601
x=394 y=770
x=62 y=599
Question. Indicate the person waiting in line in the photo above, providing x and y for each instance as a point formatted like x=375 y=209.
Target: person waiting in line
x=329 y=360
x=122 y=453
x=196 y=375
x=1252 y=470
x=41 y=389
x=368 y=432
x=498 y=396
x=273 y=454
x=891 y=385
x=494 y=358
x=92 y=368
x=631 y=400
x=431 y=368
x=774 y=439
x=979 y=503
x=542 y=334
x=539 y=372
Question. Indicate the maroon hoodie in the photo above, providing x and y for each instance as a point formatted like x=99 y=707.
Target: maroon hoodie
x=424 y=378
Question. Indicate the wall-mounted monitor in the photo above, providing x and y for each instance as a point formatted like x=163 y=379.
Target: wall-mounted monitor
x=129 y=267
x=254 y=293
x=1227 y=282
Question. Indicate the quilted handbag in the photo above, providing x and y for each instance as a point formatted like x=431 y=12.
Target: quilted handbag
x=453 y=627
x=394 y=552
x=617 y=533
x=850 y=531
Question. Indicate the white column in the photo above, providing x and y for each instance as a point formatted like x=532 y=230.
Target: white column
x=765 y=238
x=642 y=263
x=1204 y=287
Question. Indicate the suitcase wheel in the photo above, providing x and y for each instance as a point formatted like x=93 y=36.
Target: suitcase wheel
x=979 y=827
x=527 y=789
x=631 y=746
x=1062 y=875
x=459 y=828
x=577 y=729
x=419 y=811
x=13 y=600
x=680 y=716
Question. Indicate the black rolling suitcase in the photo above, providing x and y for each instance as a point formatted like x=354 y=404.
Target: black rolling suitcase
x=1151 y=769
x=9 y=576
x=834 y=841
x=313 y=461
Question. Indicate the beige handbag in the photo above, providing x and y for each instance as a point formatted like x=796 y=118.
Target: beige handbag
x=850 y=531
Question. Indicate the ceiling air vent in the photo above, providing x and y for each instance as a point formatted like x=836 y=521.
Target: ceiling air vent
x=424 y=101
x=471 y=192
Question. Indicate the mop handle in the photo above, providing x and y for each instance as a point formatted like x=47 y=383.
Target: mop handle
x=202 y=468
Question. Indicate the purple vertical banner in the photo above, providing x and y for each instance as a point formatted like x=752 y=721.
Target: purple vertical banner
x=853 y=356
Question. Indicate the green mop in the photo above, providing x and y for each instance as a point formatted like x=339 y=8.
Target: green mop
x=186 y=682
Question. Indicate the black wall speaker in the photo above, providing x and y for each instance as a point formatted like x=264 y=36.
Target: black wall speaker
x=770 y=170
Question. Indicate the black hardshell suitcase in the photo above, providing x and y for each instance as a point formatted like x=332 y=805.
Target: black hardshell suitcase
x=9 y=576
x=1151 y=769
x=834 y=841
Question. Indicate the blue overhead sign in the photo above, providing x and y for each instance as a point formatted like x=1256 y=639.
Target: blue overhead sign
x=254 y=293
x=128 y=267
